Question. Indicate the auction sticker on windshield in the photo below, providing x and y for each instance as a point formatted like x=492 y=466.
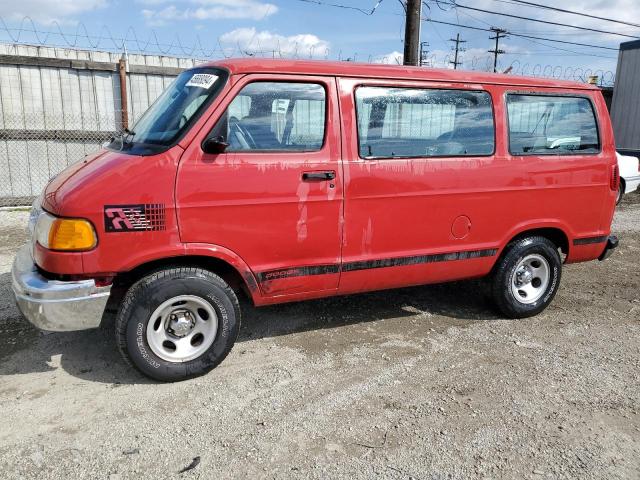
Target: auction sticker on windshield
x=202 y=80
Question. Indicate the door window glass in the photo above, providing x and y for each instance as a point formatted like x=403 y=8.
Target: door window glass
x=551 y=125
x=412 y=122
x=275 y=116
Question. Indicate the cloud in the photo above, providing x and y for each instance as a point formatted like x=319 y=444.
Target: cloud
x=253 y=42
x=47 y=11
x=393 y=58
x=201 y=10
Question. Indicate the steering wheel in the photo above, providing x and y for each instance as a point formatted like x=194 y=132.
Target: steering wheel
x=238 y=133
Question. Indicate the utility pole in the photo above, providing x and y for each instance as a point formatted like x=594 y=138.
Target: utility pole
x=412 y=32
x=457 y=41
x=500 y=33
x=423 y=54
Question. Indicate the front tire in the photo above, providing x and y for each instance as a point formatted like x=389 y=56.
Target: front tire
x=177 y=323
x=527 y=277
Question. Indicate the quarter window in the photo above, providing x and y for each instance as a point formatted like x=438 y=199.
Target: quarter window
x=412 y=122
x=551 y=125
x=275 y=116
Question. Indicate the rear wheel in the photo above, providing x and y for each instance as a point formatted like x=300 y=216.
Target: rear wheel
x=177 y=323
x=527 y=277
x=620 y=192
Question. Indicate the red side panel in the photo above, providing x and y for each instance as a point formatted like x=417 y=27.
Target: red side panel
x=403 y=217
x=256 y=203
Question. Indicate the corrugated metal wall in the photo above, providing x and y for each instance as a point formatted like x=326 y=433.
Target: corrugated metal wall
x=53 y=112
x=625 y=106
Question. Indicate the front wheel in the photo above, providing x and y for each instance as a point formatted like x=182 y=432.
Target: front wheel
x=526 y=277
x=177 y=323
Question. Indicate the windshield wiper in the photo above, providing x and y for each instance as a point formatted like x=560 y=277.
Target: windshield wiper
x=125 y=137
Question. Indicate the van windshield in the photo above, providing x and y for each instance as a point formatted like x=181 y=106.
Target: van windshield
x=173 y=112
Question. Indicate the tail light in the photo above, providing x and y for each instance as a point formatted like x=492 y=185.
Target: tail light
x=615 y=178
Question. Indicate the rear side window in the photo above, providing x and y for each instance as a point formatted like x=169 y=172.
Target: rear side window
x=413 y=122
x=275 y=116
x=551 y=125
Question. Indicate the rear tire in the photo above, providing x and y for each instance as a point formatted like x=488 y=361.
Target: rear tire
x=620 y=192
x=526 y=277
x=177 y=323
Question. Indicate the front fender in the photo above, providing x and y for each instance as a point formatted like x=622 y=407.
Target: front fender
x=229 y=257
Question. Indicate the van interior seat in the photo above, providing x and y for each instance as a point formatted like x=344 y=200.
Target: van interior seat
x=260 y=130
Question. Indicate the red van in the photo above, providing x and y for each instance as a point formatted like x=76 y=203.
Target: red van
x=292 y=180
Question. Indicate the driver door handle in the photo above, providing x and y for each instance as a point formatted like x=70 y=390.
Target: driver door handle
x=319 y=175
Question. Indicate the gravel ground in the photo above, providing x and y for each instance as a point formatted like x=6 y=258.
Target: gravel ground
x=424 y=383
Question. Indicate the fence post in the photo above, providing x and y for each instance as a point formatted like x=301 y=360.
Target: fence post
x=122 y=71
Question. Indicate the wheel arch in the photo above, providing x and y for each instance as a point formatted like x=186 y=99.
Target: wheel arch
x=553 y=232
x=221 y=261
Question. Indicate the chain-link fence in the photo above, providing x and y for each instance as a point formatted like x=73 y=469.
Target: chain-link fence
x=34 y=148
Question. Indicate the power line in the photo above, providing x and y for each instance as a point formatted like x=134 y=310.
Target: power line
x=537 y=20
x=346 y=7
x=571 y=52
x=519 y=35
x=571 y=12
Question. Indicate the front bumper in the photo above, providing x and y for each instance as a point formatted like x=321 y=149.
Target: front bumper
x=612 y=244
x=56 y=305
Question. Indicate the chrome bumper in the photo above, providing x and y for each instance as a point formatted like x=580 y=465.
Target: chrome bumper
x=56 y=305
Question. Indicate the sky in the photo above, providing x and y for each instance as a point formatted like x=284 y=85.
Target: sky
x=313 y=28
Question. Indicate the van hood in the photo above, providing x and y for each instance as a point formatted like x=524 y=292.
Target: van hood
x=61 y=189
x=108 y=177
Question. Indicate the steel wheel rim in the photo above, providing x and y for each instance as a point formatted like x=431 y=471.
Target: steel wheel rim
x=530 y=279
x=182 y=328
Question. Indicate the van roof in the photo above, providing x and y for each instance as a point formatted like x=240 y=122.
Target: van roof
x=400 y=72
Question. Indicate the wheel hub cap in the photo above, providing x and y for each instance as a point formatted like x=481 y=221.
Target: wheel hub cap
x=524 y=276
x=181 y=322
x=182 y=328
x=530 y=279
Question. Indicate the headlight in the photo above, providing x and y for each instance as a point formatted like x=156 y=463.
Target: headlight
x=36 y=210
x=66 y=234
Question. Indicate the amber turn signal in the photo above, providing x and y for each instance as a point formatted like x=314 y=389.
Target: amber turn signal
x=65 y=234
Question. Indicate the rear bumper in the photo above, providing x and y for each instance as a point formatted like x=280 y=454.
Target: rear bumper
x=55 y=305
x=612 y=244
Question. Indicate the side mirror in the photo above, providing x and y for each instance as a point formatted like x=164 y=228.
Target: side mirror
x=214 y=145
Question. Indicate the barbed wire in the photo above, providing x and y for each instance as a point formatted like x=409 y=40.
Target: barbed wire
x=605 y=78
x=28 y=33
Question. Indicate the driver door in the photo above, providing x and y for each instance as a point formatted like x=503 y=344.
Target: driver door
x=274 y=196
